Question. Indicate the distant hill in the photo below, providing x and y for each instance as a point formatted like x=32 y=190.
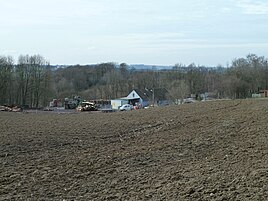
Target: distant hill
x=146 y=67
x=150 y=67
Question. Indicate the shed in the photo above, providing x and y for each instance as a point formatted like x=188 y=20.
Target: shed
x=264 y=93
x=118 y=103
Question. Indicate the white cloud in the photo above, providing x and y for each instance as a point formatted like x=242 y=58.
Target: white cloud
x=8 y=52
x=116 y=29
x=58 y=12
x=253 y=7
x=226 y=10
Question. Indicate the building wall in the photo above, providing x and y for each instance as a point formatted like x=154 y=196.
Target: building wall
x=256 y=95
x=133 y=95
x=118 y=103
x=264 y=93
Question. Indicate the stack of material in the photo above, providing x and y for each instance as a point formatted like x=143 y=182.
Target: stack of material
x=10 y=109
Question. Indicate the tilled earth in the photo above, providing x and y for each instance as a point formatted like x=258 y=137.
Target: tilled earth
x=201 y=151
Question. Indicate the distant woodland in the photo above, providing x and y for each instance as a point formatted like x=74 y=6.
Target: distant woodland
x=31 y=81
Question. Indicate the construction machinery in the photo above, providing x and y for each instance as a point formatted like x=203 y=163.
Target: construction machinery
x=87 y=106
x=72 y=103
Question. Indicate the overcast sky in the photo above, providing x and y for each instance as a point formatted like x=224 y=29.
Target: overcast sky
x=164 y=32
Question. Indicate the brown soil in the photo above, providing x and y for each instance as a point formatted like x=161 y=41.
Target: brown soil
x=201 y=151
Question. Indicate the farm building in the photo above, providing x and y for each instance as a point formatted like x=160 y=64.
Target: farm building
x=264 y=93
x=142 y=98
x=135 y=97
x=116 y=103
x=260 y=94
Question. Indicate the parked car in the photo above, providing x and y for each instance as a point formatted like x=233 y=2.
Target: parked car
x=189 y=100
x=126 y=107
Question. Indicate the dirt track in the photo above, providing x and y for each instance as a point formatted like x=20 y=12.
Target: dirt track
x=201 y=151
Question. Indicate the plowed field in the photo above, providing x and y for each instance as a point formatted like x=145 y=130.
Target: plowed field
x=201 y=151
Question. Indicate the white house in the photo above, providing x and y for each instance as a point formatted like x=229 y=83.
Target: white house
x=135 y=97
x=142 y=98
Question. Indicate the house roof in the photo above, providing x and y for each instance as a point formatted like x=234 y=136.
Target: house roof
x=146 y=94
x=126 y=98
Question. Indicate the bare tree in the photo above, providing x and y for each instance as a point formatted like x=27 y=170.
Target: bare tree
x=6 y=73
x=179 y=90
x=32 y=77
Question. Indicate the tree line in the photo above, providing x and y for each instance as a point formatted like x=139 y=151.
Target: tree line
x=28 y=83
x=32 y=81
